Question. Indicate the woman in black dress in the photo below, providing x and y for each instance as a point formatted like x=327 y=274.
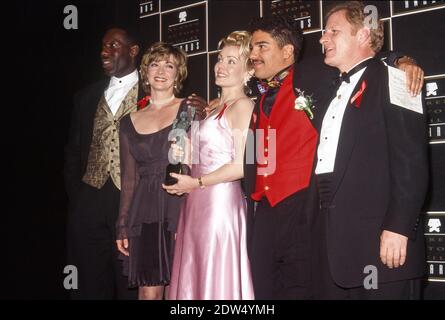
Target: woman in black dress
x=148 y=214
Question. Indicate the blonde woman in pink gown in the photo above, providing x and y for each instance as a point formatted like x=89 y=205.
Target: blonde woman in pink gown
x=210 y=258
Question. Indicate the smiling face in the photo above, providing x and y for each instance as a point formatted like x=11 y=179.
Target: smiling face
x=161 y=74
x=341 y=42
x=117 y=55
x=230 y=70
x=267 y=57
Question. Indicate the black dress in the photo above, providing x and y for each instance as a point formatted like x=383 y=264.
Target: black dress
x=148 y=214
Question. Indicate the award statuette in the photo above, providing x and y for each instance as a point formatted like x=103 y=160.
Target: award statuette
x=180 y=127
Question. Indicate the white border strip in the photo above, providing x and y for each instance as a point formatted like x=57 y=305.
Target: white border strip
x=417 y=11
x=183 y=7
x=437 y=142
x=440 y=213
x=196 y=54
x=437 y=76
x=312 y=31
x=434 y=97
x=160 y=22
x=185 y=22
x=391 y=43
x=148 y=15
x=301 y=18
x=436 y=280
x=178 y=44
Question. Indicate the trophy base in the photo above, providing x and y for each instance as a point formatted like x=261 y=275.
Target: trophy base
x=178 y=168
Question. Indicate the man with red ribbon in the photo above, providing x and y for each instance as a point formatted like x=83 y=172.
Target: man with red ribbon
x=371 y=172
x=279 y=161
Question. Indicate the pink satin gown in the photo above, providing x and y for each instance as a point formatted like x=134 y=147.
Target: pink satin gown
x=210 y=258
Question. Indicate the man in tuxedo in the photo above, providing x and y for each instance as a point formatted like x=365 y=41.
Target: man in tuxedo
x=370 y=174
x=279 y=160
x=92 y=170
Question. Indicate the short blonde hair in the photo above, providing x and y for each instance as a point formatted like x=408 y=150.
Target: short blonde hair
x=239 y=39
x=355 y=14
x=161 y=51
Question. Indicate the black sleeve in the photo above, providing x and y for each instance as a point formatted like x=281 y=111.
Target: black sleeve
x=129 y=180
x=390 y=57
x=408 y=160
x=72 y=166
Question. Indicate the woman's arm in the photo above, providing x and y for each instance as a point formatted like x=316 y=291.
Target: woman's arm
x=238 y=117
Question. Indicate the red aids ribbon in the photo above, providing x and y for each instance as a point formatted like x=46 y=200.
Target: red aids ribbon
x=357 y=98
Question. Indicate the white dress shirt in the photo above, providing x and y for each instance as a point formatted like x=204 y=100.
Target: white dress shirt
x=331 y=126
x=118 y=88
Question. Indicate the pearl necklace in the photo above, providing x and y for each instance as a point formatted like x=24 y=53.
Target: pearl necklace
x=163 y=101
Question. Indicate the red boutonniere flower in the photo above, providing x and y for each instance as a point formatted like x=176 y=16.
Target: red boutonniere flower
x=357 y=98
x=143 y=102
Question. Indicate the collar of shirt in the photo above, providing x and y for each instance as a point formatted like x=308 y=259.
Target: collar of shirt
x=353 y=80
x=355 y=65
x=331 y=125
x=118 y=89
x=129 y=79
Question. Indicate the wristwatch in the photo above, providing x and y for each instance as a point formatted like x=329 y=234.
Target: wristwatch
x=201 y=185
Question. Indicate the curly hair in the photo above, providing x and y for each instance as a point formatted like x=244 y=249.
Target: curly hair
x=355 y=14
x=161 y=51
x=239 y=39
x=283 y=29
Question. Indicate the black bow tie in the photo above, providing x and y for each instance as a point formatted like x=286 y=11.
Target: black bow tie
x=346 y=76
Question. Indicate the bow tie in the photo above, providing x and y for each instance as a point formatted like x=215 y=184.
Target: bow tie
x=346 y=76
x=264 y=86
x=337 y=81
x=275 y=82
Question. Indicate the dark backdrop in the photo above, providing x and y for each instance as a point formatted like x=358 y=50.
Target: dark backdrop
x=48 y=64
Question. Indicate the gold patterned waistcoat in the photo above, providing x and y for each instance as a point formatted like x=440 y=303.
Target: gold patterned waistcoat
x=103 y=159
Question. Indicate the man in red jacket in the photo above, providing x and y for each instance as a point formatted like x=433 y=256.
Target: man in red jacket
x=276 y=183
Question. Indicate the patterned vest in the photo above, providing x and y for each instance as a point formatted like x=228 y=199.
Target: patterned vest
x=103 y=159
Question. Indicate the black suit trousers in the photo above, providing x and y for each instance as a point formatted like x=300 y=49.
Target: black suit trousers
x=327 y=289
x=280 y=250
x=92 y=244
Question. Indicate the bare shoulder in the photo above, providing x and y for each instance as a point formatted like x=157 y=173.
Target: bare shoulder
x=239 y=113
x=243 y=105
